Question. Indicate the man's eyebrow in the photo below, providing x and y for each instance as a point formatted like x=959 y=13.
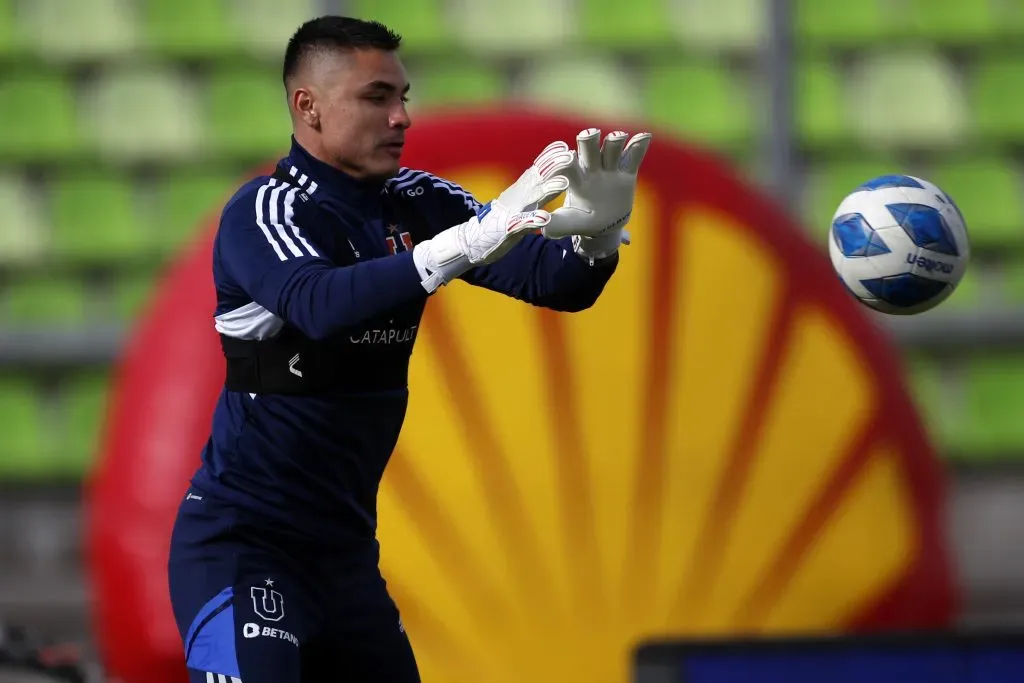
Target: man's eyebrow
x=384 y=85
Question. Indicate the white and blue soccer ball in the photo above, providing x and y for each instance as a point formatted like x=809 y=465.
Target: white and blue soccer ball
x=899 y=244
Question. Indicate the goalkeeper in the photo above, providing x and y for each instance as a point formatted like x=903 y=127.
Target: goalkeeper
x=322 y=271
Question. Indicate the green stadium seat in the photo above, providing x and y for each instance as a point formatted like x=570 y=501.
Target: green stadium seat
x=143 y=113
x=454 y=83
x=842 y=24
x=827 y=184
x=931 y=394
x=247 y=113
x=264 y=26
x=25 y=448
x=703 y=102
x=188 y=28
x=994 y=403
x=96 y=219
x=422 y=24
x=44 y=300
x=12 y=39
x=949 y=22
x=25 y=231
x=519 y=27
x=82 y=29
x=907 y=99
x=997 y=99
x=582 y=85
x=1011 y=276
x=719 y=25
x=39 y=105
x=1008 y=19
x=85 y=399
x=640 y=25
x=988 y=192
x=187 y=200
x=821 y=109
x=132 y=293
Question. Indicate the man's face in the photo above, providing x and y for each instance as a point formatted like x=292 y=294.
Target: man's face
x=362 y=113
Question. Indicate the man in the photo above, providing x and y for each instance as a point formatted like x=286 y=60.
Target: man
x=322 y=272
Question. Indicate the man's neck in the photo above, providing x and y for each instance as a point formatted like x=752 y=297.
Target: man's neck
x=314 y=148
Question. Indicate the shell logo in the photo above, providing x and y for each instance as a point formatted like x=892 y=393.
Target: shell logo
x=721 y=446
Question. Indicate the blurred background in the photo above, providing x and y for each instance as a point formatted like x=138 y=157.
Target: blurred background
x=123 y=123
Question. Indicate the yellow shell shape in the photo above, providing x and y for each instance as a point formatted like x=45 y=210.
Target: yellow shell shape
x=555 y=498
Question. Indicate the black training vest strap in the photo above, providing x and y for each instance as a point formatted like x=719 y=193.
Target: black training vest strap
x=291 y=363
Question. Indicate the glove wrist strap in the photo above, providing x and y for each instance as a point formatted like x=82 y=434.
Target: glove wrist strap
x=595 y=249
x=440 y=260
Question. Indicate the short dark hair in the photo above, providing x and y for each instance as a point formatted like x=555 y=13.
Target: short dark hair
x=335 y=33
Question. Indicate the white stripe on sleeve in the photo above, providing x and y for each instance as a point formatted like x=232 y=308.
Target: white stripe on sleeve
x=289 y=215
x=277 y=203
x=259 y=219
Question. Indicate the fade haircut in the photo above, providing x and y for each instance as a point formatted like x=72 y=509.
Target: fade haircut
x=330 y=33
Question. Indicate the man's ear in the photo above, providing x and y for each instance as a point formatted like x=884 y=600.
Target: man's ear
x=305 y=107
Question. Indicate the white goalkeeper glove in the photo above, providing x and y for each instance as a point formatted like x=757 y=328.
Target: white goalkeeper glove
x=498 y=225
x=602 y=185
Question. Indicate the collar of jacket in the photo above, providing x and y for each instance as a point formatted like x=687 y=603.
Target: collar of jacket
x=336 y=182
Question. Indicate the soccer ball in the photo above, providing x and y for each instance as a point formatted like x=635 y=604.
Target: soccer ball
x=899 y=244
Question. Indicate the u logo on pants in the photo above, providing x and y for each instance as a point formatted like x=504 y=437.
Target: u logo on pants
x=267 y=604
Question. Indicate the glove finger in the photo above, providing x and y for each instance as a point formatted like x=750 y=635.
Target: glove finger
x=634 y=153
x=552 y=188
x=611 y=150
x=588 y=144
x=572 y=172
x=555 y=157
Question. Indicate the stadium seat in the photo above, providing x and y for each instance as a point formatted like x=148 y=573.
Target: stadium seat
x=12 y=39
x=131 y=294
x=85 y=403
x=1008 y=19
x=821 y=111
x=931 y=395
x=188 y=28
x=143 y=113
x=45 y=300
x=247 y=113
x=907 y=99
x=701 y=101
x=993 y=405
x=79 y=30
x=39 y=104
x=718 y=25
x=841 y=24
x=641 y=25
x=422 y=24
x=588 y=85
x=1010 y=274
x=997 y=99
x=264 y=26
x=25 y=230
x=949 y=22
x=96 y=219
x=24 y=450
x=519 y=27
x=989 y=193
x=454 y=83
x=187 y=198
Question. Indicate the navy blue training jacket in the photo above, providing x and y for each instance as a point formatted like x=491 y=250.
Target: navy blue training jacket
x=312 y=464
